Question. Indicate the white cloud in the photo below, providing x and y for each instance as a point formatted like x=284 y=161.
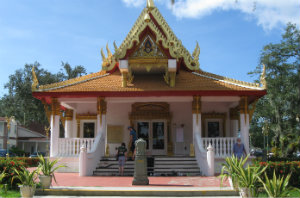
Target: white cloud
x=135 y=3
x=268 y=13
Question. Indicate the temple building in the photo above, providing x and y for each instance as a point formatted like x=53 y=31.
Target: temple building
x=153 y=83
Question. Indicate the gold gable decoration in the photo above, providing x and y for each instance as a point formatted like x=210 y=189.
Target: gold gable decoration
x=164 y=35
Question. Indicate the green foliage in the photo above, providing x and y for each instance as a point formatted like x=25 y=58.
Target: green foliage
x=280 y=108
x=19 y=100
x=230 y=169
x=283 y=168
x=277 y=187
x=25 y=177
x=17 y=151
x=8 y=166
x=3 y=187
x=48 y=167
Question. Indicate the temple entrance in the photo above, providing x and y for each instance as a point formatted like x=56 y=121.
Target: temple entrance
x=154 y=132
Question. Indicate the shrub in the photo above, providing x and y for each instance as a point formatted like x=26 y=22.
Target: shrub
x=8 y=165
x=28 y=162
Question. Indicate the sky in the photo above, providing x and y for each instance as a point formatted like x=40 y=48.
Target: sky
x=231 y=33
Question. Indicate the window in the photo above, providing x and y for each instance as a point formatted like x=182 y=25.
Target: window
x=213 y=129
x=88 y=130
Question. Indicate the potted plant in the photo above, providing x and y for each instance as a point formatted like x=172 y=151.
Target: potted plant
x=27 y=181
x=230 y=169
x=47 y=168
x=248 y=178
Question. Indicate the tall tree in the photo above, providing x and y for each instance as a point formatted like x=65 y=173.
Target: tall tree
x=19 y=101
x=280 y=108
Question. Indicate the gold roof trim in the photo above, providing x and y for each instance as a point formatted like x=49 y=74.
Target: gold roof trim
x=169 y=41
x=71 y=81
x=229 y=80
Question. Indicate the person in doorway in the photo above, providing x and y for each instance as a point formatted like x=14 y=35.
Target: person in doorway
x=132 y=139
x=239 y=148
x=122 y=154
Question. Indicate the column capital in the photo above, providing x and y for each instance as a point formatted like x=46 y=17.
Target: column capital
x=243 y=106
x=196 y=105
x=101 y=106
x=55 y=106
x=69 y=114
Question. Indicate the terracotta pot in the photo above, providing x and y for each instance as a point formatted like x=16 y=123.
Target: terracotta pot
x=27 y=191
x=45 y=181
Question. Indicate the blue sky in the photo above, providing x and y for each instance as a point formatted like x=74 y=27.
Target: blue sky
x=231 y=33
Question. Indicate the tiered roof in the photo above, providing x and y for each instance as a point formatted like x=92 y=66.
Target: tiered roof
x=190 y=79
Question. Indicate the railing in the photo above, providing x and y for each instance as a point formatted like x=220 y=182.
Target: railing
x=223 y=147
x=71 y=146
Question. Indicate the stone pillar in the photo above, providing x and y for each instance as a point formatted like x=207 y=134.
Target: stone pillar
x=101 y=121
x=68 y=123
x=140 y=164
x=244 y=122
x=82 y=161
x=54 y=124
x=210 y=160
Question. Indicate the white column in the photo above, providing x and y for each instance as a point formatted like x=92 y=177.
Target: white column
x=74 y=125
x=197 y=125
x=23 y=146
x=36 y=146
x=101 y=128
x=244 y=118
x=54 y=123
x=68 y=128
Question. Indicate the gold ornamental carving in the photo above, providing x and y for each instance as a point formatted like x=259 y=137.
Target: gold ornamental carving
x=243 y=105
x=35 y=82
x=150 y=111
x=55 y=106
x=47 y=110
x=68 y=114
x=196 y=105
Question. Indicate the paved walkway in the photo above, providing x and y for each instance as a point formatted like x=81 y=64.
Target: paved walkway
x=73 y=179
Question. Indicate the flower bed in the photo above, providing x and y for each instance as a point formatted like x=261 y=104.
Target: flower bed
x=283 y=168
x=8 y=164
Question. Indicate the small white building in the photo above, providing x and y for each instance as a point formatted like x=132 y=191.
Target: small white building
x=16 y=135
x=150 y=82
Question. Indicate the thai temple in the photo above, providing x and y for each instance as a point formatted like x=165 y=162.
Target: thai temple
x=154 y=84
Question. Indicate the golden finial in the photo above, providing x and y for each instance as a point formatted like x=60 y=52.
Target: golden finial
x=196 y=52
x=263 y=81
x=109 y=54
x=150 y=4
x=35 y=82
x=103 y=55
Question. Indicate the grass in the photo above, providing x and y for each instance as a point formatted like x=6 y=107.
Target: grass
x=293 y=193
x=11 y=193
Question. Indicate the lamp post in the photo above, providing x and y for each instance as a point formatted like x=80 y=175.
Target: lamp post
x=8 y=121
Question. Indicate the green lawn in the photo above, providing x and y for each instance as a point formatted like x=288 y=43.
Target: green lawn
x=11 y=193
x=293 y=193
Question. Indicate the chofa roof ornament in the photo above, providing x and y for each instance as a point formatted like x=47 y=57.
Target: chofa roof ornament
x=35 y=82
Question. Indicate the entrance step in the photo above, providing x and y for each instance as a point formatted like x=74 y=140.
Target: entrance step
x=157 y=166
x=138 y=191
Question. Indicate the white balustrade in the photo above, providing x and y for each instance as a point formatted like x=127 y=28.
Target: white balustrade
x=223 y=146
x=71 y=146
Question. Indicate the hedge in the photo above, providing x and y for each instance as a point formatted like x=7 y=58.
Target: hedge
x=283 y=168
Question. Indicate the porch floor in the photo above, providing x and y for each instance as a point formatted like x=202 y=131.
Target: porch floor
x=73 y=180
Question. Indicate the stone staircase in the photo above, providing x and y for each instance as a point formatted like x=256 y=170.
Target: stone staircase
x=157 y=166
